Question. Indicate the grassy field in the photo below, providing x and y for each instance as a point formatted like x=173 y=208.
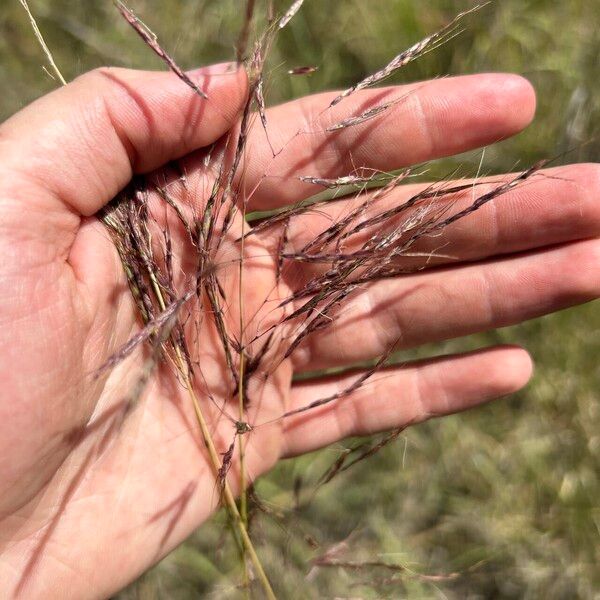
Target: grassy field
x=503 y=502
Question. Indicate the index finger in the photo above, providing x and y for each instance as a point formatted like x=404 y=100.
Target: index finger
x=425 y=121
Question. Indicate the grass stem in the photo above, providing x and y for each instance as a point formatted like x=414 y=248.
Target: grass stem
x=241 y=410
x=42 y=42
x=239 y=521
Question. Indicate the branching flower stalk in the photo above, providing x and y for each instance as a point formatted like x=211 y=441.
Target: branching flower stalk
x=371 y=240
x=134 y=255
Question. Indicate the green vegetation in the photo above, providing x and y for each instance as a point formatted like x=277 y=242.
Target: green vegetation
x=501 y=502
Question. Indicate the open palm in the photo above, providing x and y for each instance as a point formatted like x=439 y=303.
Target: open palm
x=93 y=490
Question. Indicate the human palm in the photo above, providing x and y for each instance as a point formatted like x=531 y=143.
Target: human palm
x=96 y=487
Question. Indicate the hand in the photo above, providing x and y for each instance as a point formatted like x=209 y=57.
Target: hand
x=88 y=500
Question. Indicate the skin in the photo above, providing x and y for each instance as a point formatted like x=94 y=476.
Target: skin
x=91 y=497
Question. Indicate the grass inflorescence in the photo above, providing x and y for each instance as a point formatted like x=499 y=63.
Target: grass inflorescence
x=370 y=242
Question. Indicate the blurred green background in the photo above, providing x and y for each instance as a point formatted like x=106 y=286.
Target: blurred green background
x=502 y=502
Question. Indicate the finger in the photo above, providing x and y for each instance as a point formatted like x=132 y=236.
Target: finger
x=452 y=302
x=555 y=206
x=397 y=397
x=430 y=120
x=78 y=146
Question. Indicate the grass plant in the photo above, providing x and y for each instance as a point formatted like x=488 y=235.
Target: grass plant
x=368 y=242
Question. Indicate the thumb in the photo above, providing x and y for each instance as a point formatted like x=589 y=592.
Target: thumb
x=82 y=143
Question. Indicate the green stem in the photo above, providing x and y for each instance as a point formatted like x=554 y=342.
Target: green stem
x=228 y=496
